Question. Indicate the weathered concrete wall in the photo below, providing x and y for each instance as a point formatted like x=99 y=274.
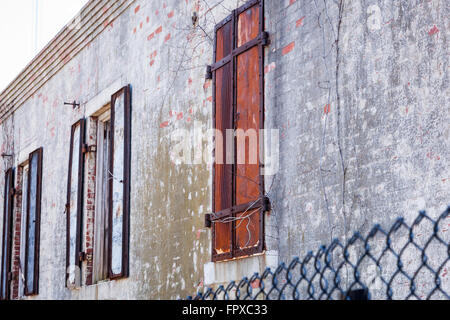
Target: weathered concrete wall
x=358 y=89
x=369 y=103
x=364 y=116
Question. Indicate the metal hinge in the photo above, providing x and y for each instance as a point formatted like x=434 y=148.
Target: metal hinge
x=209 y=74
x=89 y=148
x=208 y=222
x=265 y=38
x=266 y=204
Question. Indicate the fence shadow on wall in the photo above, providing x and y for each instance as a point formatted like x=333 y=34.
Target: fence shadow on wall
x=408 y=261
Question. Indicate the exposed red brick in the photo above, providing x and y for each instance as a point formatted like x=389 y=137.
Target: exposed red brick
x=164 y=124
x=299 y=22
x=433 y=31
x=167 y=38
x=159 y=30
x=291 y=2
x=90 y=208
x=270 y=67
x=288 y=48
x=151 y=36
x=136 y=10
x=257 y=283
x=171 y=14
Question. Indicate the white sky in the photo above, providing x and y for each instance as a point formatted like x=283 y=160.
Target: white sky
x=20 y=40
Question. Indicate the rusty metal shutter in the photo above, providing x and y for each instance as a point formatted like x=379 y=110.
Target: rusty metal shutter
x=74 y=205
x=119 y=184
x=223 y=179
x=238 y=104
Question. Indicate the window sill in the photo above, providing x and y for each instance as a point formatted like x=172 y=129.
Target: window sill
x=104 y=290
x=222 y=272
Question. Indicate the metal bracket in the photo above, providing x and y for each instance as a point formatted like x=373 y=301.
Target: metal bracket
x=88 y=149
x=208 y=222
x=74 y=104
x=265 y=38
x=209 y=74
x=266 y=204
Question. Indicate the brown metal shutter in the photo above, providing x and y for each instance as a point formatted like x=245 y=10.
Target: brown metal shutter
x=238 y=196
x=223 y=179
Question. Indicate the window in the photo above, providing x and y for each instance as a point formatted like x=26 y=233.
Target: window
x=74 y=206
x=33 y=218
x=111 y=231
x=238 y=102
x=25 y=277
x=7 y=235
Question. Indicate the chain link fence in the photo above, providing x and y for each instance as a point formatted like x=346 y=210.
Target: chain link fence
x=407 y=261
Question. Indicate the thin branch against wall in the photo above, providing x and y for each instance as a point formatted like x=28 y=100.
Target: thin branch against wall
x=338 y=99
x=330 y=75
x=195 y=36
x=322 y=147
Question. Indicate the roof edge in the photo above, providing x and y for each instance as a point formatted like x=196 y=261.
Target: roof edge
x=81 y=30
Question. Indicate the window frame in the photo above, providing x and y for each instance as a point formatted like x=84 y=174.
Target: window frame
x=80 y=196
x=35 y=289
x=260 y=41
